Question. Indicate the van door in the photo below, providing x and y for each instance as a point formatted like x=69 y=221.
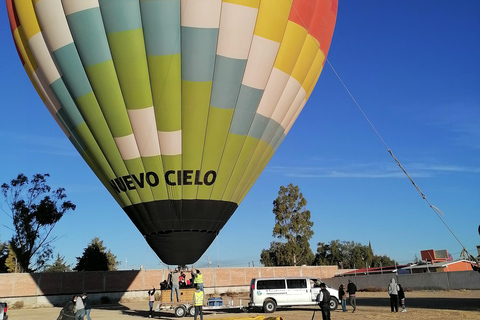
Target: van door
x=314 y=288
x=297 y=291
x=271 y=288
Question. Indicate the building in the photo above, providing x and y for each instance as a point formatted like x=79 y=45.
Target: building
x=376 y=270
x=442 y=266
x=436 y=255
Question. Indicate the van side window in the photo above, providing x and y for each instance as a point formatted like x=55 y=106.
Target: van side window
x=297 y=283
x=270 y=284
x=315 y=283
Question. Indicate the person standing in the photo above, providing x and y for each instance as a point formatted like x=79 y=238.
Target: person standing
x=151 y=300
x=198 y=279
x=198 y=298
x=393 y=292
x=175 y=285
x=352 y=289
x=342 y=295
x=80 y=308
x=88 y=305
x=323 y=300
x=401 y=298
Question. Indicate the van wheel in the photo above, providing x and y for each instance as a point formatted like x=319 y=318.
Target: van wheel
x=333 y=304
x=269 y=306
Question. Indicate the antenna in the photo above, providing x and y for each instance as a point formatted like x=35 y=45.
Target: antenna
x=218 y=262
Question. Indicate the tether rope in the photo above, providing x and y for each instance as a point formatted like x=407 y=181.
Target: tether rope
x=437 y=211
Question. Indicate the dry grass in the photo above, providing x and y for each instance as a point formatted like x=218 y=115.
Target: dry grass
x=17 y=305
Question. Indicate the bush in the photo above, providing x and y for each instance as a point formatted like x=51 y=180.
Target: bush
x=231 y=294
x=18 y=305
x=373 y=289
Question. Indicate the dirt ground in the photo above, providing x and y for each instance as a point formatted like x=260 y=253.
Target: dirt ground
x=422 y=305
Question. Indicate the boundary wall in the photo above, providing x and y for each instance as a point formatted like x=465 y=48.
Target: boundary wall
x=456 y=280
x=54 y=289
x=38 y=289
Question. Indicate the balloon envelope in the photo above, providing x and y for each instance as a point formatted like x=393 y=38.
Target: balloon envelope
x=176 y=106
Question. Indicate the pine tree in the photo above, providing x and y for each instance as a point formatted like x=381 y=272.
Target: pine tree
x=59 y=265
x=96 y=258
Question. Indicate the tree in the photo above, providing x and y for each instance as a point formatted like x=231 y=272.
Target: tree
x=269 y=258
x=35 y=210
x=382 y=261
x=11 y=263
x=349 y=255
x=59 y=265
x=416 y=260
x=331 y=254
x=292 y=223
x=96 y=258
x=3 y=256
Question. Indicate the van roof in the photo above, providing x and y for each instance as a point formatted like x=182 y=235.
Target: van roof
x=277 y=278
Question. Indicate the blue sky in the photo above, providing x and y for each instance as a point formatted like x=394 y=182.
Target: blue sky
x=412 y=66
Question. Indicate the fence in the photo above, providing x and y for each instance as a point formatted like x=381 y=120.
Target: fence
x=469 y=280
x=53 y=288
x=46 y=289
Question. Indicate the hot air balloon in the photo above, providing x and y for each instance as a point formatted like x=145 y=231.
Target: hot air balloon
x=176 y=105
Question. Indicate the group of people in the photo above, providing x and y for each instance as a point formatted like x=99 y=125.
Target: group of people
x=176 y=280
x=323 y=298
x=351 y=289
x=397 y=294
x=395 y=291
x=77 y=308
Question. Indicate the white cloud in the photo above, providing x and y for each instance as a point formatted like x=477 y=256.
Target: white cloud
x=58 y=146
x=379 y=170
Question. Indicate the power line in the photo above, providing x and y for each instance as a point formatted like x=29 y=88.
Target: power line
x=437 y=211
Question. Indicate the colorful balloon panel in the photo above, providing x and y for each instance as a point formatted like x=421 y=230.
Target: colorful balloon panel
x=176 y=105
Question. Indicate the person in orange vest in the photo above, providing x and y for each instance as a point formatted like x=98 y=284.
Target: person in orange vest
x=198 y=298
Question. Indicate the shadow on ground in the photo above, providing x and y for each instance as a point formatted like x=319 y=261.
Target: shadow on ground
x=169 y=313
x=59 y=287
x=467 y=304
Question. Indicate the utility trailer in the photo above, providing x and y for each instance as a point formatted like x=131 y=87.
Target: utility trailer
x=185 y=306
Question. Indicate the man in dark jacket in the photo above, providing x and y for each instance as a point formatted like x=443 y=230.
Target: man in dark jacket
x=88 y=305
x=352 y=289
x=323 y=300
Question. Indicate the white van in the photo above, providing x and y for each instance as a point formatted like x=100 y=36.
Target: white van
x=270 y=293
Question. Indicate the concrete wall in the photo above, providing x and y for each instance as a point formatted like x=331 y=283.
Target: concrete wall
x=469 y=280
x=47 y=289
x=38 y=289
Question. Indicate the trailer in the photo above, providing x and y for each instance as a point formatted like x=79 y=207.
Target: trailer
x=185 y=306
